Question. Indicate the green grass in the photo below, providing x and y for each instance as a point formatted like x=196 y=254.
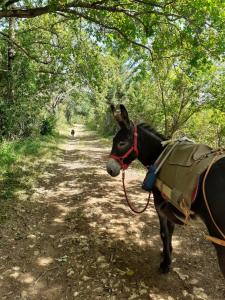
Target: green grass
x=17 y=151
x=21 y=164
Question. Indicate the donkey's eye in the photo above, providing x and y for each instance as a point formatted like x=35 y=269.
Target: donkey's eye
x=122 y=145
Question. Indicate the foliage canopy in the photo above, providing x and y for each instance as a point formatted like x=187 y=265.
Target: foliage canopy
x=163 y=59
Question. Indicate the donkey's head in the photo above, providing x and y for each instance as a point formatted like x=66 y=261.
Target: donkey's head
x=124 y=148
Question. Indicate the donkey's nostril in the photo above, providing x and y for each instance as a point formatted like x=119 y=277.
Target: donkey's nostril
x=110 y=171
x=113 y=168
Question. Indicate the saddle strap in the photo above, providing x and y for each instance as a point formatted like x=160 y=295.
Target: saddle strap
x=215 y=240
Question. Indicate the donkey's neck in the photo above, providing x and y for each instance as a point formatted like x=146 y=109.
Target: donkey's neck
x=149 y=144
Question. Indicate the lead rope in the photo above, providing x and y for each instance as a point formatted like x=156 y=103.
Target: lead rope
x=128 y=202
x=211 y=238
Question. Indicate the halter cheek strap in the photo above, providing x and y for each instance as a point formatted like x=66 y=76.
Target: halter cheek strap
x=120 y=158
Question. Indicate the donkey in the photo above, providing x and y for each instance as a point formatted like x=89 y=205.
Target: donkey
x=149 y=147
x=72 y=132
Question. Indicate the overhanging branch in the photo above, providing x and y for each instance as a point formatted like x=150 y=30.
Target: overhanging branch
x=116 y=30
x=24 y=50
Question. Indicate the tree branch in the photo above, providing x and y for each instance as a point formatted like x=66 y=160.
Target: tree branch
x=10 y=2
x=25 y=13
x=115 y=29
x=99 y=6
x=24 y=50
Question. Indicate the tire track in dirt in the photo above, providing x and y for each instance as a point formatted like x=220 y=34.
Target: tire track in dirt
x=75 y=239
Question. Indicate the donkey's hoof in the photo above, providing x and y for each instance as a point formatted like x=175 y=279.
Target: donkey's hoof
x=164 y=268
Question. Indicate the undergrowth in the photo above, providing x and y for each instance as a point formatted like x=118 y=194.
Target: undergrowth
x=21 y=163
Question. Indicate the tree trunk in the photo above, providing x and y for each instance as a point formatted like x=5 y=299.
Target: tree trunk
x=11 y=55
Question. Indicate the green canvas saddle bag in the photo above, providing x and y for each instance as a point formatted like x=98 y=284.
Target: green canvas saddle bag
x=179 y=175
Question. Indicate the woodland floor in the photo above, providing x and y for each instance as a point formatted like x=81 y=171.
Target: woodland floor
x=72 y=237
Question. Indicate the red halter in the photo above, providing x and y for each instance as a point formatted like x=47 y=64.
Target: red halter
x=134 y=148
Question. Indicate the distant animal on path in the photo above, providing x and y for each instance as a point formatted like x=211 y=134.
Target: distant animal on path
x=72 y=132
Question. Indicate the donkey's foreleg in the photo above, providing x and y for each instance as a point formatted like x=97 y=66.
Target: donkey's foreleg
x=166 y=231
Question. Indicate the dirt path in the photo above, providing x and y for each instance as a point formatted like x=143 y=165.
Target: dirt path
x=75 y=239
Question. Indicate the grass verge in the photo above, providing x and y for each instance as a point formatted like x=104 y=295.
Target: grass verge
x=21 y=163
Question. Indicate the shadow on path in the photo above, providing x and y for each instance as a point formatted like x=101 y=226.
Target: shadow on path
x=74 y=238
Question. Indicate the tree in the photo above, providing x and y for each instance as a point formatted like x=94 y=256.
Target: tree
x=69 y=52
x=10 y=58
x=45 y=66
x=196 y=26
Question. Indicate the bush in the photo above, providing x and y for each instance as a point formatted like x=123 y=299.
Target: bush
x=48 y=125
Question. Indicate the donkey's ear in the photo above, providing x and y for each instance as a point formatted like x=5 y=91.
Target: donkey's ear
x=117 y=115
x=113 y=109
x=124 y=116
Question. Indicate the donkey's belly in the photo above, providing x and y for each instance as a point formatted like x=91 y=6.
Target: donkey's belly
x=215 y=192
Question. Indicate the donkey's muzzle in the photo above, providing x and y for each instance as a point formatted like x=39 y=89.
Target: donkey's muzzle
x=113 y=167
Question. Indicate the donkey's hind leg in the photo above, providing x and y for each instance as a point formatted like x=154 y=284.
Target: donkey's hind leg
x=221 y=258
x=166 y=231
x=171 y=226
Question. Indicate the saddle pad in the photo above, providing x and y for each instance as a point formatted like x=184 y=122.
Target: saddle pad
x=185 y=154
x=182 y=169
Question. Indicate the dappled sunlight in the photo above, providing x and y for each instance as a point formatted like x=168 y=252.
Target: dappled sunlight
x=17 y=274
x=75 y=166
x=26 y=278
x=44 y=261
x=58 y=220
x=82 y=239
x=31 y=236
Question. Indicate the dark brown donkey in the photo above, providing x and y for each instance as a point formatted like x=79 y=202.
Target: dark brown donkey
x=72 y=132
x=149 y=147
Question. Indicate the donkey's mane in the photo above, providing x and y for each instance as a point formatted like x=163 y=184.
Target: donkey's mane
x=152 y=130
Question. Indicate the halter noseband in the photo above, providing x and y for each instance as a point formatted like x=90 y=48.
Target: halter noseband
x=120 y=158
